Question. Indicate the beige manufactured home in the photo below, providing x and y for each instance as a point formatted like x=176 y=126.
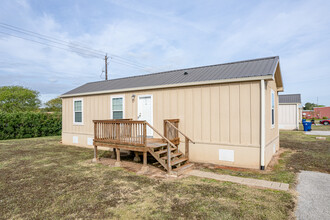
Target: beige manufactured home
x=228 y=113
x=289 y=111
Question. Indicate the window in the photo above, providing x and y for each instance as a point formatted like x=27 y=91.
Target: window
x=273 y=108
x=117 y=107
x=78 y=111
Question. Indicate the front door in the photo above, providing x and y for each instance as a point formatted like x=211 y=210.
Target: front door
x=145 y=111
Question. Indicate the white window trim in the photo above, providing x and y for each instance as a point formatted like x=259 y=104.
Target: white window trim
x=271 y=108
x=82 y=112
x=117 y=96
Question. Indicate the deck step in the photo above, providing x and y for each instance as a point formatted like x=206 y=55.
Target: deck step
x=177 y=161
x=164 y=151
x=172 y=155
x=183 y=168
x=156 y=145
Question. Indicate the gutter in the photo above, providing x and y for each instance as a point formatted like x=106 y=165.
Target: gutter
x=262 y=125
x=170 y=86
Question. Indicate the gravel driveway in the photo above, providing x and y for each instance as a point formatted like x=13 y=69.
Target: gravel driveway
x=314 y=195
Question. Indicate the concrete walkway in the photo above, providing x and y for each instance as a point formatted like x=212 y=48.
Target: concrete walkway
x=240 y=180
x=313 y=195
x=322 y=133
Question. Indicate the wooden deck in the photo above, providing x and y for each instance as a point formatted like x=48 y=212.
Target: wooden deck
x=132 y=135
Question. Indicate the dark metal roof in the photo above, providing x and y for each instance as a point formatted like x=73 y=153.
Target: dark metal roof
x=290 y=98
x=242 y=69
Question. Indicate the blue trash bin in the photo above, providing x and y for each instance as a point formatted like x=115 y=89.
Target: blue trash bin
x=305 y=126
x=309 y=126
x=303 y=121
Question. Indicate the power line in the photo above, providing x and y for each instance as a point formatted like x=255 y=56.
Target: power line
x=17 y=29
x=70 y=44
x=48 y=44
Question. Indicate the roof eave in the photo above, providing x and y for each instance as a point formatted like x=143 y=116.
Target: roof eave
x=290 y=103
x=170 y=86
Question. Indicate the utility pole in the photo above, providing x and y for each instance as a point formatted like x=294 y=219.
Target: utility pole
x=106 y=66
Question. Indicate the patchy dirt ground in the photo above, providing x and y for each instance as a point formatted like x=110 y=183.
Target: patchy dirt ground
x=41 y=179
x=154 y=169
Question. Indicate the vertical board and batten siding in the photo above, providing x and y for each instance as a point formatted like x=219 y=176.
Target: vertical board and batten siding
x=222 y=113
x=215 y=116
x=287 y=114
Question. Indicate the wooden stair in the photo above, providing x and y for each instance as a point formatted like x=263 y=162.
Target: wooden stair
x=158 y=149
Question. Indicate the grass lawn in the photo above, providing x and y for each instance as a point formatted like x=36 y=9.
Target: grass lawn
x=42 y=179
x=301 y=152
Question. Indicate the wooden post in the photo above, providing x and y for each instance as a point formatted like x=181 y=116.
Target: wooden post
x=113 y=155
x=145 y=167
x=169 y=166
x=95 y=130
x=145 y=134
x=118 y=131
x=145 y=158
x=95 y=159
x=186 y=142
x=165 y=130
x=136 y=157
x=117 y=164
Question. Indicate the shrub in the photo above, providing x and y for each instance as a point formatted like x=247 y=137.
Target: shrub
x=324 y=117
x=29 y=124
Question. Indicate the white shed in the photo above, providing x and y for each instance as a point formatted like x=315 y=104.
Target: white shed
x=289 y=111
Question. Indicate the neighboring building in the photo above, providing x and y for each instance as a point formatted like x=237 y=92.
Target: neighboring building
x=289 y=111
x=317 y=112
x=229 y=110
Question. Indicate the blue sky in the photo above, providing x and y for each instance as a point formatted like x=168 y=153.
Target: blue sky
x=165 y=35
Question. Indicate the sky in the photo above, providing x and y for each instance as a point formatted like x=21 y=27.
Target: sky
x=143 y=37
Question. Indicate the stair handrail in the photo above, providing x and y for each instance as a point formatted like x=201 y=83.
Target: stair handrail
x=179 y=131
x=167 y=140
x=169 y=166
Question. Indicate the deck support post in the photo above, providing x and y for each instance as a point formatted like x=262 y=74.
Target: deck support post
x=95 y=159
x=136 y=157
x=186 y=142
x=113 y=155
x=145 y=158
x=145 y=167
x=117 y=164
x=169 y=166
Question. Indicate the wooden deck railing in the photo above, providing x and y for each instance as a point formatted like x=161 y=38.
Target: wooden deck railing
x=174 y=124
x=122 y=131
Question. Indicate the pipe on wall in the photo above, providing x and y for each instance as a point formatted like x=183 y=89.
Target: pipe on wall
x=262 y=125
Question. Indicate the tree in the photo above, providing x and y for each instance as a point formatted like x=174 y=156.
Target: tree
x=18 y=99
x=310 y=106
x=54 y=105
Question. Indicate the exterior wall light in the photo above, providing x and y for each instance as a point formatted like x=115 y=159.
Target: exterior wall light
x=133 y=97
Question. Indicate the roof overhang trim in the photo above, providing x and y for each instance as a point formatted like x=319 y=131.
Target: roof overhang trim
x=290 y=103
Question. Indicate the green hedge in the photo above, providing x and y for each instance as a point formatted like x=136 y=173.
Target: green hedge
x=29 y=124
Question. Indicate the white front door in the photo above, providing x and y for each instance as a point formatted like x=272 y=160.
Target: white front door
x=145 y=111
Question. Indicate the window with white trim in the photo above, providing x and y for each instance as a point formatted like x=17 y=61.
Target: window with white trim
x=78 y=111
x=117 y=107
x=273 y=108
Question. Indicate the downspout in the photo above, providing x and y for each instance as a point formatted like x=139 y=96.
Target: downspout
x=262 y=125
